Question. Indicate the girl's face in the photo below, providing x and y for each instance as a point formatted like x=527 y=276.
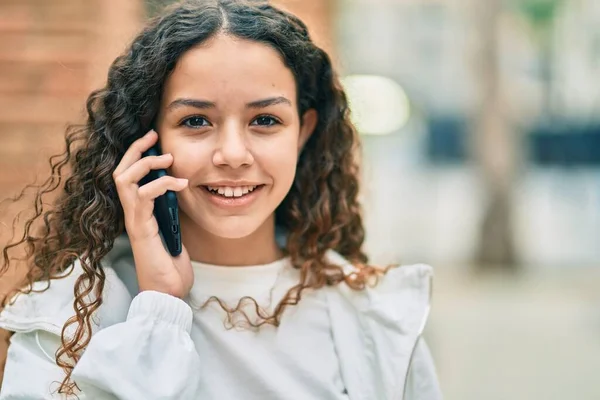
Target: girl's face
x=229 y=117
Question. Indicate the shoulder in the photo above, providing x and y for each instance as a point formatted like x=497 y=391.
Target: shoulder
x=402 y=296
x=50 y=303
x=377 y=329
x=411 y=283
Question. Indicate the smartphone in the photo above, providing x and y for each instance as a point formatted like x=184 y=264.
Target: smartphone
x=166 y=210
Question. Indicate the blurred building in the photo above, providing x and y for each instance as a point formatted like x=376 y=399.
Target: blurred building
x=425 y=194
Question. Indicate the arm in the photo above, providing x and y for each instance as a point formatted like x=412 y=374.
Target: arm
x=422 y=382
x=149 y=356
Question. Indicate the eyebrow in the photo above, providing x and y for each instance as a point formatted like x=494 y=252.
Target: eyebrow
x=204 y=104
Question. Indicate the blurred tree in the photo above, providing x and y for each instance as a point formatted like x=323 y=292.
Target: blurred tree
x=541 y=15
x=493 y=141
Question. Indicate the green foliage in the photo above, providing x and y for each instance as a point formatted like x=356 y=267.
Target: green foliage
x=540 y=13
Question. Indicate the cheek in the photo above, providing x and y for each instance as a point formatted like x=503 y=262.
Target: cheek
x=189 y=159
x=279 y=159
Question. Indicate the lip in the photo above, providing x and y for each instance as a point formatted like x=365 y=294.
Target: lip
x=231 y=183
x=232 y=202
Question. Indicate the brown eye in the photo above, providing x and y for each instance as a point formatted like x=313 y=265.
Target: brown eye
x=266 y=120
x=195 y=122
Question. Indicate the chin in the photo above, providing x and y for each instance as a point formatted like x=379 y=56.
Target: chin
x=236 y=228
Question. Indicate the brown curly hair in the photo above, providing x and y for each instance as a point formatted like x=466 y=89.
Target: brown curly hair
x=320 y=212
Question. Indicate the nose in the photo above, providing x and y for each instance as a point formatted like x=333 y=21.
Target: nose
x=232 y=148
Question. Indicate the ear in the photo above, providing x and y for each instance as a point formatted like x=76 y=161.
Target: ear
x=309 y=123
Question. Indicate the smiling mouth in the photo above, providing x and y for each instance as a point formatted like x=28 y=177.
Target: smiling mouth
x=230 y=192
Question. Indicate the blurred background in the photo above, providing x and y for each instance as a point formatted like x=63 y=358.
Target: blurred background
x=481 y=153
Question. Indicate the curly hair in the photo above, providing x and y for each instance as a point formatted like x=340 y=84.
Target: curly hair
x=320 y=212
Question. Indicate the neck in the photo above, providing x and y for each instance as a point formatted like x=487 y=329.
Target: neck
x=260 y=247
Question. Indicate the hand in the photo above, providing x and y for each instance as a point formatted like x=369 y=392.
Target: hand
x=155 y=267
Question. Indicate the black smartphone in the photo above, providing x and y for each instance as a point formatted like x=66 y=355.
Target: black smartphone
x=166 y=210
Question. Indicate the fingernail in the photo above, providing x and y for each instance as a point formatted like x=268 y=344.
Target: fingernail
x=150 y=132
x=183 y=180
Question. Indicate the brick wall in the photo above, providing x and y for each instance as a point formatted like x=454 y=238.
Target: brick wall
x=43 y=67
x=43 y=49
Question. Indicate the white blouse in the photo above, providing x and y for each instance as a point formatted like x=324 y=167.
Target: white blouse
x=337 y=343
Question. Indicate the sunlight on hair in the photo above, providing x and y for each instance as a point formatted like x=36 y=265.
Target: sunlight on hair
x=379 y=105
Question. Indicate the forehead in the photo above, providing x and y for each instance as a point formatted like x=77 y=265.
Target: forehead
x=228 y=67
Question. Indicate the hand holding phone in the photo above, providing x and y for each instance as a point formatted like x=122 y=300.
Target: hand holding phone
x=150 y=211
x=166 y=210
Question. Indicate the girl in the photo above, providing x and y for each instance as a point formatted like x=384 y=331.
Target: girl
x=271 y=297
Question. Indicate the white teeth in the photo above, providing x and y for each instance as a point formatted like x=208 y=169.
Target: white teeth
x=229 y=191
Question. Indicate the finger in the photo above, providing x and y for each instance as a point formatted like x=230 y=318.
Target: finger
x=134 y=152
x=158 y=187
x=142 y=167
